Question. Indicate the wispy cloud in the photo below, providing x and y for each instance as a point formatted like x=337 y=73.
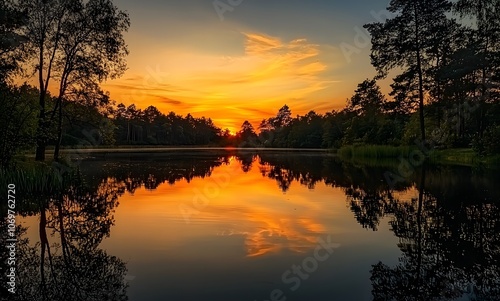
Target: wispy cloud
x=269 y=72
x=169 y=100
x=257 y=44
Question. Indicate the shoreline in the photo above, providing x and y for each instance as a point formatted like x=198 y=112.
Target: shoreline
x=463 y=157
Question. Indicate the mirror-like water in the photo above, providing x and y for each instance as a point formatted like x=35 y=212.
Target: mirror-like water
x=228 y=225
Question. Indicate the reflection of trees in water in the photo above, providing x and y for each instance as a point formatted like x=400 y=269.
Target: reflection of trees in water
x=424 y=272
x=448 y=234
x=368 y=207
x=286 y=169
x=366 y=191
x=90 y=275
x=246 y=159
x=450 y=246
x=308 y=170
x=66 y=264
x=152 y=171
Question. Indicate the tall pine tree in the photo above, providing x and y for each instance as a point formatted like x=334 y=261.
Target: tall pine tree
x=402 y=41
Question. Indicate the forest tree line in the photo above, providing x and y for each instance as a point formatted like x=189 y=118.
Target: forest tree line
x=444 y=57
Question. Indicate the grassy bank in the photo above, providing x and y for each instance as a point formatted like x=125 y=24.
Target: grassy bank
x=462 y=156
x=386 y=154
x=36 y=183
x=373 y=151
x=33 y=178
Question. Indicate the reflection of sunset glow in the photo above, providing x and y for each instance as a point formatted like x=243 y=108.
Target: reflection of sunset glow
x=406 y=195
x=277 y=234
x=250 y=206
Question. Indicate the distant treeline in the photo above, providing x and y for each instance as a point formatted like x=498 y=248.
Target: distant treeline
x=367 y=119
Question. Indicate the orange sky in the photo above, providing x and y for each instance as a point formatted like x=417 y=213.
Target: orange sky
x=246 y=65
x=269 y=73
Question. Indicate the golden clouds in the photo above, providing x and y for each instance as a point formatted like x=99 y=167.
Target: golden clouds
x=266 y=74
x=259 y=43
x=276 y=59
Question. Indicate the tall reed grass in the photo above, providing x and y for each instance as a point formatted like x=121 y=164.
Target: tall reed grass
x=374 y=151
x=36 y=184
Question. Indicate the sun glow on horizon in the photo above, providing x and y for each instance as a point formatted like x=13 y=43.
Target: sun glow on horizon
x=253 y=85
x=183 y=58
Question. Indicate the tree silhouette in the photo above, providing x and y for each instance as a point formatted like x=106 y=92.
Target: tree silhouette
x=402 y=41
x=246 y=135
x=78 y=44
x=11 y=20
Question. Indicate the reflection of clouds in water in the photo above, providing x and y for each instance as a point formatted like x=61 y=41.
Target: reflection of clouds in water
x=271 y=235
x=268 y=221
x=280 y=234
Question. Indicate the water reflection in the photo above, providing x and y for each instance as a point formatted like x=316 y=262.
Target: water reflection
x=450 y=247
x=137 y=170
x=266 y=229
x=248 y=208
x=447 y=233
x=65 y=262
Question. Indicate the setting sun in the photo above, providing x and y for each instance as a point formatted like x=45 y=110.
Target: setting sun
x=239 y=68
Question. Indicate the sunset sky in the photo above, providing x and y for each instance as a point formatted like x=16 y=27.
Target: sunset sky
x=246 y=63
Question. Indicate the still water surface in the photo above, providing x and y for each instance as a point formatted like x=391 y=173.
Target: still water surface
x=233 y=225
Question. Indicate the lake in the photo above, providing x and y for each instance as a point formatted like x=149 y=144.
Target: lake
x=263 y=225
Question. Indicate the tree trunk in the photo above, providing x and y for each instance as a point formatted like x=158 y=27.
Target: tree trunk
x=40 y=149
x=419 y=226
x=40 y=139
x=420 y=75
x=59 y=131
